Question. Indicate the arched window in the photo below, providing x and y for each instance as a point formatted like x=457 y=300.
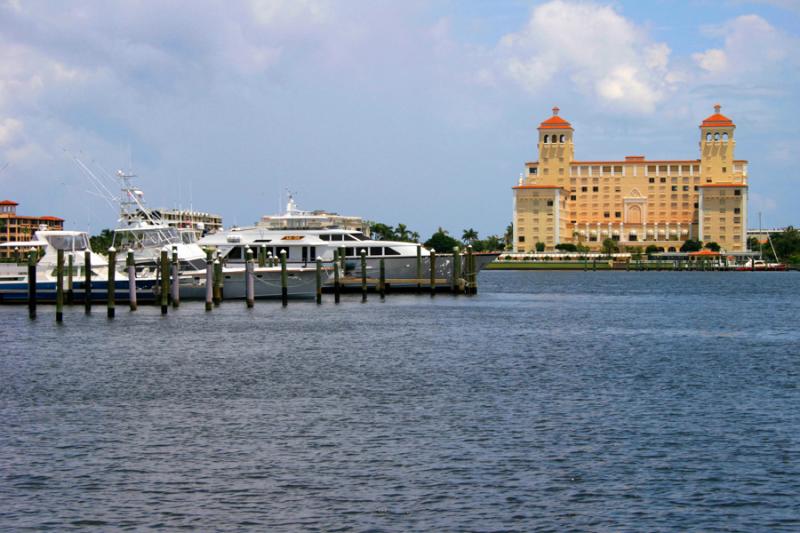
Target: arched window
x=725 y=137
x=546 y=139
x=562 y=138
x=708 y=136
x=671 y=249
x=716 y=136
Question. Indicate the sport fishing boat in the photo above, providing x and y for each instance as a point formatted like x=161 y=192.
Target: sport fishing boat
x=74 y=244
x=306 y=235
x=139 y=230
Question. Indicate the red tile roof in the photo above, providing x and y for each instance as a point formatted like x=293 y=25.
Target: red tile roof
x=717 y=119
x=555 y=122
x=52 y=218
x=8 y=202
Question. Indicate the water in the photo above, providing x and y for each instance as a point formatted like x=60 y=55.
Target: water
x=552 y=401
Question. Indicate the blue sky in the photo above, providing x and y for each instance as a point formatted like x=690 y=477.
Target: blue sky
x=421 y=112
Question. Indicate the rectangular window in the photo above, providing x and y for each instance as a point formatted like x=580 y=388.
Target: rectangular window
x=375 y=250
x=606 y=215
x=584 y=189
x=674 y=187
x=549 y=203
x=685 y=187
x=663 y=180
x=736 y=210
x=617 y=214
x=737 y=192
x=573 y=197
x=521 y=238
x=595 y=189
x=652 y=180
x=532 y=170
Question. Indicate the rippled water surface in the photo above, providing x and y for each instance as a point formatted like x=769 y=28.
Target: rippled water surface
x=599 y=401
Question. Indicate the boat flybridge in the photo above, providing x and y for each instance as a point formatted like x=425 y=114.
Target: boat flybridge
x=305 y=235
x=147 y=235
x=74 y=244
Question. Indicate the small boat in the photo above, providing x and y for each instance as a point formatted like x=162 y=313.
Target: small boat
x=14 y=277
x=759 y=264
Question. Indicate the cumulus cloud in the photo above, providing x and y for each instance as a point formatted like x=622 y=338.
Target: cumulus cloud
x=591 y=47
x=752 y=48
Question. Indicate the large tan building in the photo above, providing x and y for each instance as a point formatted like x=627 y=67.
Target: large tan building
x=14 y=227
x=634 y=201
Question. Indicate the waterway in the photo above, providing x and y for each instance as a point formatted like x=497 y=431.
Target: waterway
x=552 y=401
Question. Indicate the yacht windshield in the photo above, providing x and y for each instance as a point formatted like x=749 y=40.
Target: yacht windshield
x=187 y=237
x=146 y=238
x=68 y=242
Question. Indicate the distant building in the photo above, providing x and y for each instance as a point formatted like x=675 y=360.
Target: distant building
x=763 y=234
x=199 y=221
x=296 y=219
x=634 y=201
x=14 y=227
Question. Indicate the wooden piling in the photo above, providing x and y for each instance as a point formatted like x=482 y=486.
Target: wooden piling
x=432 y=258
x=112 y=282
x=60 y=286
x=382 y=279
x=319 y=280
x=472 y=278
x=165 y=267
x=87 y=281
x=336 y=287
x=343 y=260
x=250 y=288
x=176 y=278
x=363 y=275
x=131 y=264
x=456 y=270
x=209 y=279
x=217 y=282
x=262 y=256
x=32 y=284
x=70 y=277
x=284 y=280
x=419 y=268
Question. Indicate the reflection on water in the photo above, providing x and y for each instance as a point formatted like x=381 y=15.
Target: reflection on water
x=551 y=401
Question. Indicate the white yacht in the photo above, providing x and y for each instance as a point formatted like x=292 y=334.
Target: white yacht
x=14 y=277
x=306 y=235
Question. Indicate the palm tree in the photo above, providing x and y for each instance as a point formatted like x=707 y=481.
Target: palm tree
x=414 y=236
x=469 y=235
x=401 y=233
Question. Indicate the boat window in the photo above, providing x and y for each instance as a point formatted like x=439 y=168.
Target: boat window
x=313 y=253
x=235 y=253
x=349 y=252
x=325 y=237
x=359 y=236
x=336 y=237
x=349 y=237
x=187 y=237
x=68 y=242
x=390 y=251
x=278 y=251
x=305 y=254
x=375 y=250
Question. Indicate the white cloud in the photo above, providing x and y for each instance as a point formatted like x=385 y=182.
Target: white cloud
x=591 y=47
x=752 y=48
x=10 y=130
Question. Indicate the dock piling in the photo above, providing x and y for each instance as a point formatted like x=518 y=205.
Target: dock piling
x=87 y=281
x=262 y=256
x=433 y=272
x=250 y=280
x=284 y=280
x=319 y=280
x=112 y=282
x=60 y=286
x=336 y=287
x=419 y=268
x=382 y=280
x=217 y=282
x=209 y=279
x=456 y=270
x=471 y=278
x=363 y=275
x=32 y=284
x=176 y=278
x=131 y=264
x=70 y=283
x=165 y=267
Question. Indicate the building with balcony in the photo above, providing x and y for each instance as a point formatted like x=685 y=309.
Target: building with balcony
x=14 y=227
x=634 y=201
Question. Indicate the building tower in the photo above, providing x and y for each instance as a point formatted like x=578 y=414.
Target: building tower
x=716 y=147
x=556 y=150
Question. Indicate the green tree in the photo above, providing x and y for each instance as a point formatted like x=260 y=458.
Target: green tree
x=381 y=231
x=401 y=233
x=609 y=247
x=442 y=242
x=539 y=247
x=714 y=247
x=492 y=243
x=652 y=249
x=509 y=236
x=690 y=245
x=753 y=244
x=102 y=242
x=469 y=236
x=566 y=247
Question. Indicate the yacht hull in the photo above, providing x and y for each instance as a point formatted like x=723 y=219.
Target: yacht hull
x=301 y=283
